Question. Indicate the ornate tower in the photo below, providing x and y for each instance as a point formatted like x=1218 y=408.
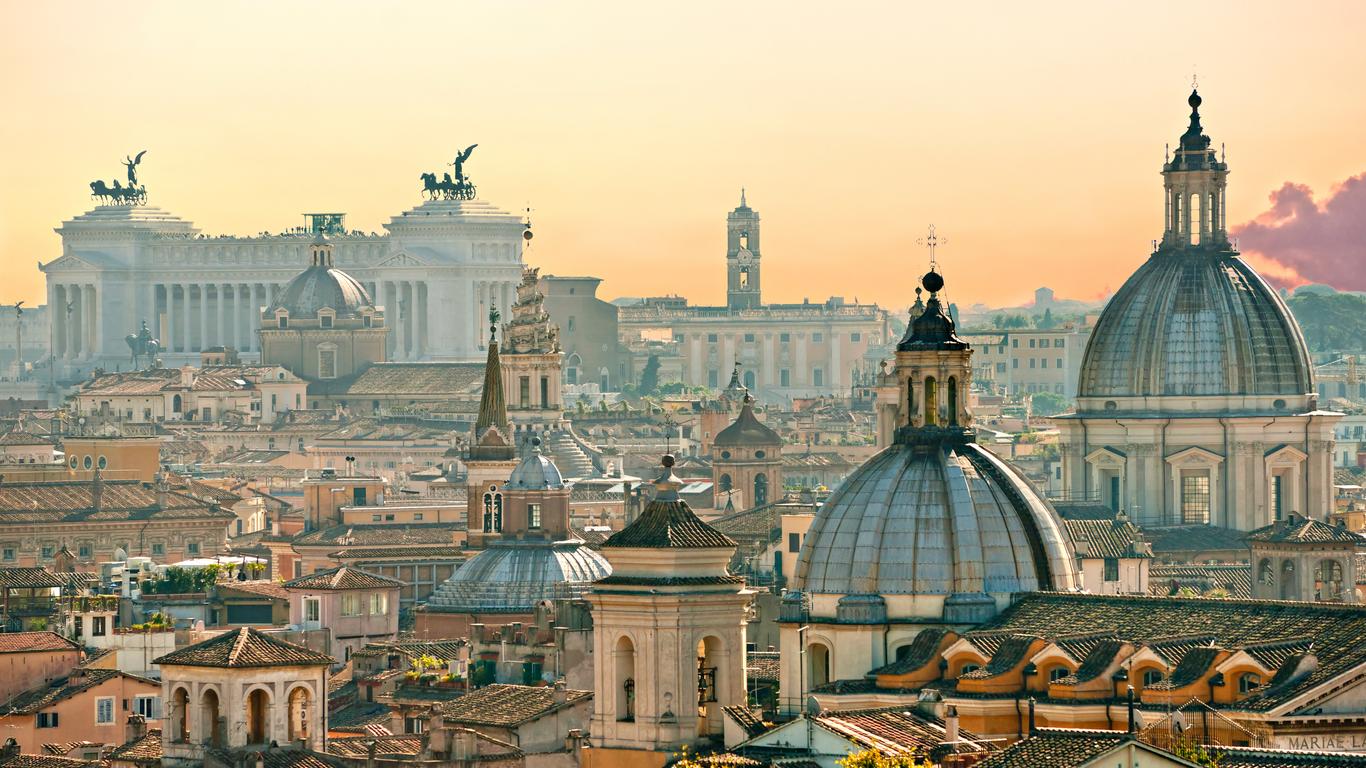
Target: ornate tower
x=492 y=455
x=933 y=371
x=742 y=257
x=532 y=359
x=668 y=629
x=1194 y=181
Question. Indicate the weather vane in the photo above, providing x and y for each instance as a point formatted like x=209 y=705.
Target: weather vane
x=932 y=241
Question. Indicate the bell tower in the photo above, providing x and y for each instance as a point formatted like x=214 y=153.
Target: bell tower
x=1194 y=181
x=742 y=257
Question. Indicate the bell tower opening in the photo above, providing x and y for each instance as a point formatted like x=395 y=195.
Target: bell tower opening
x=742 y=257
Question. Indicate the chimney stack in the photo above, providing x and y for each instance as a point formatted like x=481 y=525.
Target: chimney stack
x=136 y=728
x=1032 y=727
x=951 y=725
x=1133 y=727
x=560 y=694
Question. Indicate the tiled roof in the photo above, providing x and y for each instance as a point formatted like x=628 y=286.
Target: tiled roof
x=1096 y=661
x=415 y=552
x=64 y=748
x=1192 y=666
x=419 y=379
x=282 y=758
x=17 y=438
x=73 y=500
x=260 y=587
x=762 y=665
x=890 y=730
x=1234 y=578
x=381 y=535
x=757 y=524
x=505 y=705
x=32 y=700
x=922 y=649
x=30 y=578
x=1106 y=538
x=358 y=747
x=47 y=761
x=354 y=718
x=1253 y=757
x=1057 y=749
x=343 y=578
x=747 y=430
x=1305 y=530
x=33 y=642
x=1173 y=626
x=745 y=718
x=668 y=524
x=1009 y=654
x=144 y=750
x=1194 y=538
x=247 y=647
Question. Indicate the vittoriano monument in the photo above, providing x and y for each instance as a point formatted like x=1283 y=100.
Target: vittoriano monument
x=461 y=188
x=141 y=344
x=116 y=193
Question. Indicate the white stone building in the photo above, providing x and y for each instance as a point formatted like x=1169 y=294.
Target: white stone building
x=438 y=270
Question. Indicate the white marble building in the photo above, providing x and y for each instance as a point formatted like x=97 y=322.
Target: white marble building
x=437 y=271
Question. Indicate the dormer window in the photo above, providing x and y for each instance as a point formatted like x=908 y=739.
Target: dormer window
x=367 y=321
x=325 y=321
x=282 y=319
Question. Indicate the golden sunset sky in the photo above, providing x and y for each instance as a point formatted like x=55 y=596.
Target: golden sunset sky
x=1031 y=134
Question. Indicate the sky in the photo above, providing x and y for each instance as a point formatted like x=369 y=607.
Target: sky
x=1030 y=134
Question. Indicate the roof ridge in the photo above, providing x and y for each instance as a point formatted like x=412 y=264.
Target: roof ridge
x=238 y=644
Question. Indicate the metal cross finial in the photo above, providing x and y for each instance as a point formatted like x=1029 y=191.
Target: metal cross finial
x=932 y=241
x=1195 y=79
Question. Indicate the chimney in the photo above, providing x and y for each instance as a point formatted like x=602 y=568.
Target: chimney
x=560 y=695
x=464 y=746
x=1133 y=726
x=951 y=725
x=96 y=490
x=136 y=728
x=1032 y=727
x=186 y=376
x=10 y=750
x=573 y=741
x=438 y=738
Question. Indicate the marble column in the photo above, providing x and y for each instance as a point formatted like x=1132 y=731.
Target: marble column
x=203 y=290
x=187 y=325
x=220 y=337
x=77 y=321
x=237 y=316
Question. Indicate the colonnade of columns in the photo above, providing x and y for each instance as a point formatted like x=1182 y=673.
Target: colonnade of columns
x=195 y=316
x=75 y=321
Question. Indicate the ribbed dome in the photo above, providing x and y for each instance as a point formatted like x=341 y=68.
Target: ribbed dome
x=747 y=430
x=535 y=472
x=1195 y=322
x=949 y=519
x=321 y=286
x=513 y=576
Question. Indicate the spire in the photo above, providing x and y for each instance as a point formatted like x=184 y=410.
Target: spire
x=491 y=428
x=742 y=198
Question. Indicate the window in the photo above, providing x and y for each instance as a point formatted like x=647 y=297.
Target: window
x=784 y=337
x=47 y=719
x=350 y=605
x=1152 y=677
x=375 y=518
x=784 y=377
x=524 y=391
x=379 y=604
x=367 y=321
x=104 y=710
x=711 y=338
x=417 y=517
x=97 y=626
x=794 y=542
x=1000 y=367
x=1015 y=363
x=968 y=668
x=192 y=548
x=1031 y=362
x=818 y=337
x=1112 y=569
x=1043 y=363
x=325 y=321
x=1248 y=682
x=1031 y=343
x=327 y=363
x=87 y=462
x=1058 y=673
x=1015 y=343
x=147 y=706
x=47 y=552
x=1276 y=498
x=414 y=725
x=9 y=553
x=749 y=338
x=712 y=378
x=284 y=321
x=158 y=549
x=1195 y=501
x=817 y=377
x=1059 y=363
x=856 y=337
x=533 y=516
x=312 y=606
x=102 y=462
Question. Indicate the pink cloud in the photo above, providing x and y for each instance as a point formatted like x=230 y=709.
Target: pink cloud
x=1315 y=243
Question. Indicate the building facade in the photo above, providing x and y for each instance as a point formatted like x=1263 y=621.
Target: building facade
x=436 y=271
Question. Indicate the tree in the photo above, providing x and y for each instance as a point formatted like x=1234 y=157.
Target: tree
x=871 y=758
x=1048 y=404
x=649 y=378
x=1332 y=322
x=1195 y=752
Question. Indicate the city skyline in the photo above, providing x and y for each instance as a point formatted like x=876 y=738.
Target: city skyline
x=1031 y=140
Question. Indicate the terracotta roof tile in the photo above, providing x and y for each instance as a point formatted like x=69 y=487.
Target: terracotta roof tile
x=666 y=524
x=1107 y=538
x=30 y=578
x=144 y=750
x=381 y=535
x=35 y=699
x=33 y=642
x=505 y=705
x=261 y=587
x=343 y=578
x=1306 y=530
x=247 y=647
x=385 y=746
x=47 y=761
x=1057 y=749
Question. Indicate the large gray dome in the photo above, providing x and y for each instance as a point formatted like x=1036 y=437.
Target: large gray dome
x=513 y=576
x=1195 y=321
x=947 y=519
x=323 y=286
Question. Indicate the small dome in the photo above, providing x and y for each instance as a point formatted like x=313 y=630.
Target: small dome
x=747 y=430
x=536 y=472
x=322 y=286
x=949 y=520
x=1192 y=322
x=513 y=576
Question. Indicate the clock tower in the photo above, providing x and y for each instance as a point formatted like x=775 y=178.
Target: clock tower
x=742 y=257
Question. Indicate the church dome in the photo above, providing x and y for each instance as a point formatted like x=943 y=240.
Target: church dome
x=513 y=576
x=747 y=430
x=946 y=520
x=323 y=285
x=535 y=472
x=1194 y=322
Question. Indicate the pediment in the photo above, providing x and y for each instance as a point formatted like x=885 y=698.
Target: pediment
x=402 y=259
x=1285 y=454
x=1195 y=456
x=1106 y=457
x=69 y=262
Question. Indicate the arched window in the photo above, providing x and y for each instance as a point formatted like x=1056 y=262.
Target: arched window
x=723 y=483
x=1289 y=587
x=1152 y=677
x=625 y=658
x=760 y=490
x=299 y=701
x=744 y=277
x=209 y=715
x=488 y=512
x=1266 y=573
x=175 y=404
x=910 y=402
x=931 y=402
x=498 y=512
x=818 y=665
x=180 y=709
x=953 y=401
x=711 y=686
x=258 y=717
x=1197 y=219
x=1328 y=586
x=969 y=667
x=749 y=379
